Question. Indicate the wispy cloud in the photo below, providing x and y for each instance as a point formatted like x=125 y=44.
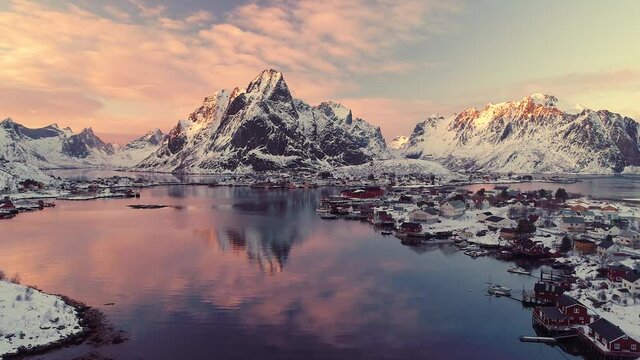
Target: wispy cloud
x=152 y=58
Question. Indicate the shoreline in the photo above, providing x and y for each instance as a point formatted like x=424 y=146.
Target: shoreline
x=97 y=331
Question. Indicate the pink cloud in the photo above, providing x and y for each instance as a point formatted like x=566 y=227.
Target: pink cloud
x=163 y=66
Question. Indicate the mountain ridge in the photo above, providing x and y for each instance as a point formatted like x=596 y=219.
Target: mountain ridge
x=530 y=135
x=263 y=127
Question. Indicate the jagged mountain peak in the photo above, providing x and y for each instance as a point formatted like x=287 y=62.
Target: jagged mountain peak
x=336 y=111
x=265 y=128
x=270 y=84
x=541 y=99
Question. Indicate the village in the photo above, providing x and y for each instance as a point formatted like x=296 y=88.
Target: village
x=591 y=292
x=592 y=246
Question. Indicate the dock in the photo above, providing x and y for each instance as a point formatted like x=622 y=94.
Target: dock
x=538 y=339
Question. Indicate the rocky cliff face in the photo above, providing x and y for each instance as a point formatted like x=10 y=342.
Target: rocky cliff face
x=531 y=135
x=264 y=128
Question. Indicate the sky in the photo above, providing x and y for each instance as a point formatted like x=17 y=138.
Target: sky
x=125 y=67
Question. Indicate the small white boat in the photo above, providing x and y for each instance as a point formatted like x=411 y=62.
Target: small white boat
x=498 y=290
x=328 y=216
x=518 y=270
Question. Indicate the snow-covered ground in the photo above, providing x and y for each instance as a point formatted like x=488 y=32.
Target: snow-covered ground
x=12 y=173
x=31 y=318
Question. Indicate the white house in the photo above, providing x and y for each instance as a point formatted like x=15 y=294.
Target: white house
x=498 y=222
x=609 y=212
x=481 y=204
x=453 y=208
x=628 y=238
x=572 y=224
x=601 y=231
x=428 y=215
x=631 y=282
x=608 y=251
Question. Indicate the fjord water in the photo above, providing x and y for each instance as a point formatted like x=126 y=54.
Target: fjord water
x=238 y=273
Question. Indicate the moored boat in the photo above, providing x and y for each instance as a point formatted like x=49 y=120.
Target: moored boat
x=518 y=270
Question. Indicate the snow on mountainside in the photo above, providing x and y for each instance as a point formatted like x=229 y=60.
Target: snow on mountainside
x=138 y=149
x=52 y=147
x=12 y=173
x=398 y=142
x=395 y=166
x=263 y=128
x=529 y=136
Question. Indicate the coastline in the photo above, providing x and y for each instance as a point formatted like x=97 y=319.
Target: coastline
x=95 y=330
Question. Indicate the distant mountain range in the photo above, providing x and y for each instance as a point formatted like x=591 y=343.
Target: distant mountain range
x=53 y=147
x=263 y=127
x=532 y=135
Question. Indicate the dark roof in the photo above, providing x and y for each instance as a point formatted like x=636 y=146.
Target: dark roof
x=542 y=287
x=494 y=219
x=432 y=211
x=631 y=277
x=573 y=220
x=552 y=312
x=606 y=244
x=606 y=329
x=566 y=300
x=457 y=204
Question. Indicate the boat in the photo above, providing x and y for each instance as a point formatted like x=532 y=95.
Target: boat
x=498 y=290
x=328 y=216
x=386 y=233
x=518 y=270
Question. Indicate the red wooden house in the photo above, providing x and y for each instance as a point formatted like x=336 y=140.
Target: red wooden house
x=529 y=248
x=610 y=340
x=550 y=317
x=574 y=310
x=547 y=292
x=410 y=228
x=566 y=313
x=616 y=272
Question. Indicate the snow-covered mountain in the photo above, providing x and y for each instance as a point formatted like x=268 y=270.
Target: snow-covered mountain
x=138 y=149
x=533 y=135
x=399 y=142
x=52 y=147
x=263 y=128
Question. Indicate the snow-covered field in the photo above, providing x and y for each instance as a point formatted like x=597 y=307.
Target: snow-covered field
x=31 y=318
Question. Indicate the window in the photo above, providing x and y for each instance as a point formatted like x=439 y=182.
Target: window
x=633 y=347
x=576 y=311
x=581 y=318
x=616 y=346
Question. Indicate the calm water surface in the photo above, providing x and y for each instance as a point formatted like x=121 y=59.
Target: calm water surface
x=624 y=187
x=249 y=274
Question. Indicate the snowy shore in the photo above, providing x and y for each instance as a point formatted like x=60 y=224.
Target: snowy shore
x=30 y=319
